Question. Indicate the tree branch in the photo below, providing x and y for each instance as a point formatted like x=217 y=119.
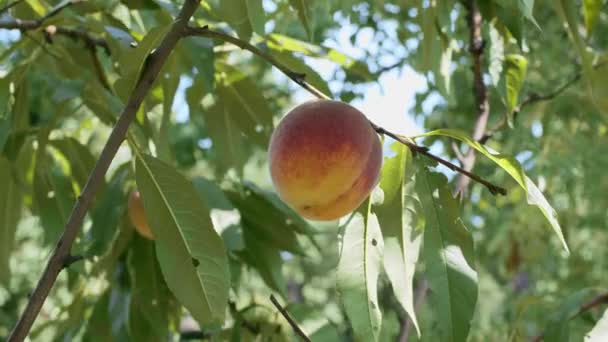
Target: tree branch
x=289 y=319
x=479 y=90
x=533 y=98
x=25 y=25
x=9 y=6
x=597 y=300
x=299 y=78
x=154 y=62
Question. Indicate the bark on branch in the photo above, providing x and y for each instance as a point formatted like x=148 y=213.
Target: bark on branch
x=56 y=263
x=482 y=106
x=299 y=78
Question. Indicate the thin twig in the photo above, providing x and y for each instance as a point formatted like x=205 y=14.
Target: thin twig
x=9 y=6
x=154 y=63
x=289 y=319
x=70 y=259
x=533 y=98
x=299 y=78
x=479 y=90
x=25 y=25
x=595 y=301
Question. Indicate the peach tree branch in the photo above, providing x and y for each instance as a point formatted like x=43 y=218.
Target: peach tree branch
x=593 y=302
x=482 y=105
x=61 y=253
x=290 y=320
x=299 y=78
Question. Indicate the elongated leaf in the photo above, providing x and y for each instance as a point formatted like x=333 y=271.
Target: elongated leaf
x=297 y=65
x=235 y=13
x=191 y=254
x=515 y=74
x=132 y=61
x=257 y=17
x=591 y=11
x=80 y=158
x=149 y=307
x=515 y=170
x=302 y=7
x=53 y=195
x=401 y=240
x=225 y=217
x=448 y=256
x=228 y=143
x=10 y=213
x=246 y=106
x=269 y=222
x=558 y=329
x=599 y=333
x=526 y=7
x=358 y=270
x=266 y=260
x=107 y=212
x=497 y=54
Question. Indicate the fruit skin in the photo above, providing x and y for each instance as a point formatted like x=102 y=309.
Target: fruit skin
x=325 y=159
x=138 y=217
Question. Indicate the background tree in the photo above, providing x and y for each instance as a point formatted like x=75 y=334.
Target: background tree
x=178 y=100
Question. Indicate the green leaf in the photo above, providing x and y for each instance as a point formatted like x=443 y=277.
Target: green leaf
x=497 y=54
x=527 y=7
x=223 y=214
x=398 y=224
x=132 y=61
x=257 y=16
x=358 y=270
x=297 y=65
x=303 y=9
x=448 y=257
x=557 y=328
x=515 y=170
x=80 y=158
x=107 y=212
x=269 y=222
x=191 y=254
x=599 y=333
x=515 y=74
x=235 y=13
x=591 y=12
x=266 y=260
x=149 y=307
x=245 y=104
x=228 y=142
x=53 y=195
x=10 y=213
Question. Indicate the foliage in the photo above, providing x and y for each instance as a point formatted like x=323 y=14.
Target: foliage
x=413 y=261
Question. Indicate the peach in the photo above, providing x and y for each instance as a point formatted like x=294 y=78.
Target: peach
x=325 y=159
x=138 y=216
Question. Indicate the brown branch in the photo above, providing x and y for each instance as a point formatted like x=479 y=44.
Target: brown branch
x=595 y=301
x=154 y=63
x=289 y=319
x=86 y=37
x=299 y=78
x=30 y=25
x=479 y=90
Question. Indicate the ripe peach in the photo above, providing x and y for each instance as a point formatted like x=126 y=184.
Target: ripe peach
x=138 y=217
x=325 y=159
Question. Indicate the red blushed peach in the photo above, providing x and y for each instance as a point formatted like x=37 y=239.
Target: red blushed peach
x=325 y=159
